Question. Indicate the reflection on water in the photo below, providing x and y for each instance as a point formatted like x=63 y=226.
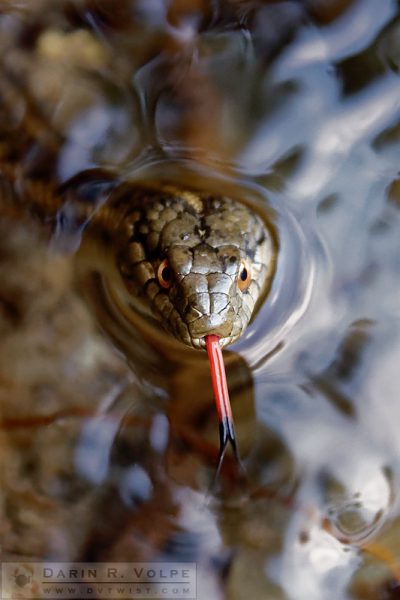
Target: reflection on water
x=109 y=454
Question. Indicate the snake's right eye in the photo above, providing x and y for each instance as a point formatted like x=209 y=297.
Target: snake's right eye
x=244 y=276
x=164 y=274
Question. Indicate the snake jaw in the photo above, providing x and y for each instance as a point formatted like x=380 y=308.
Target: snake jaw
x=218 y=311
x=200 y=343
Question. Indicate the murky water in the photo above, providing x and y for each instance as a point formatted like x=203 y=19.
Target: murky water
x=109 y=441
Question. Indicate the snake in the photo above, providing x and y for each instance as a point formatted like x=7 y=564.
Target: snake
x=197 y=262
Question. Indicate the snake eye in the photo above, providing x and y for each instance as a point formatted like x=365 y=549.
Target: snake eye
x=244 y=279
x=164 y=274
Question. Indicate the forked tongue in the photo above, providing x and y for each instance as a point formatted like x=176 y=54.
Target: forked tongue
x=221 y=395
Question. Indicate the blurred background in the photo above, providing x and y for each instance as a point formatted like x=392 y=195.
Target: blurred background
x=109 y=439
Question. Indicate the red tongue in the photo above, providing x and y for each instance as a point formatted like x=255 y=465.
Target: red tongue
x=218 y=378
x=221 y=394
x=220 y=387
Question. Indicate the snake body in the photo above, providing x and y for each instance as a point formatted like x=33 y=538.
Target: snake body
x=199 y=263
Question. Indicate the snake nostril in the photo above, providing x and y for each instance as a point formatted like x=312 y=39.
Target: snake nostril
x=210 y=324
x=192 y=313
x=200 y=302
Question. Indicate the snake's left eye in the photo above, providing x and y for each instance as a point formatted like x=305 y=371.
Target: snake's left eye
x=244 y=279
x=164 y=274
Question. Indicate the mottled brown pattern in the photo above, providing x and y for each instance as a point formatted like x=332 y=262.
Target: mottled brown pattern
x=206 y=241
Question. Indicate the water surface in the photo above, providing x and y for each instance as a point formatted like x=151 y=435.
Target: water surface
x=109 y=437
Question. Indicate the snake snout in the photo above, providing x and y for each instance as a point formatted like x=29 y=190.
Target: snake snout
x=213 y=324
x=212 y=310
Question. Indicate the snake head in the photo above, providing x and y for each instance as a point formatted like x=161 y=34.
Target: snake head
x=207 y=292
x=200 y=263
